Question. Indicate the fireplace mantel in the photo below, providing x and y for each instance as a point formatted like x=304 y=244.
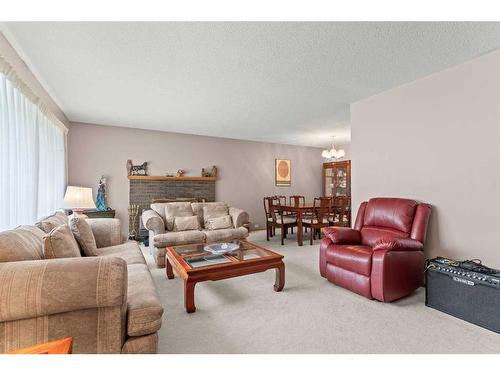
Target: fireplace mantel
x=143 y=190
x=172 y=178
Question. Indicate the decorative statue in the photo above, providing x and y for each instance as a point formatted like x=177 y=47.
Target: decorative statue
x=209 y=173
x=180 y=172
x=129 y=167
x=100 y=201
x=138 y=170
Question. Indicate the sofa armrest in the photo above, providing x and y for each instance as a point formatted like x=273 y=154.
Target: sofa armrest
x=30 y=289
x=238 y=216
x=401 y=244
x=107 y=232
x=152 y=221
x=341 y=235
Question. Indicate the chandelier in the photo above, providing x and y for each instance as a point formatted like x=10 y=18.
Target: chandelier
x=333 y=153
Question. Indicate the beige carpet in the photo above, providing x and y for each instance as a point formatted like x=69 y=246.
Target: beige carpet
x=311 y=315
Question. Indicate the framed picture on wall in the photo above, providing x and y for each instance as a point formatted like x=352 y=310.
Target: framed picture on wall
x=282 y=172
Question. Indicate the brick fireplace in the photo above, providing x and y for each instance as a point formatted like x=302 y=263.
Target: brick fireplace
x=143 y=189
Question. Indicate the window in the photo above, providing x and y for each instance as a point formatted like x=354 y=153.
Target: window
x=32 y=154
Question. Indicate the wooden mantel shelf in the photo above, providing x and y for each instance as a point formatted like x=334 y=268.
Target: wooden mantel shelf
x=162 y=178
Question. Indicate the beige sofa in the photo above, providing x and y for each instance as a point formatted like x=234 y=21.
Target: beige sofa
x=106 y=303
x=160 y=218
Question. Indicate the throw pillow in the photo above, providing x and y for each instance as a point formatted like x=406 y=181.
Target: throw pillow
x=182 y=223
x=222 y=222
x=60 y=243
x=50 y=222
x=214 y=211
x=84 y=235
x=176 y=209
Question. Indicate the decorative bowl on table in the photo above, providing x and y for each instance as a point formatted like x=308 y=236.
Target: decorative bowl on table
x=221 y=248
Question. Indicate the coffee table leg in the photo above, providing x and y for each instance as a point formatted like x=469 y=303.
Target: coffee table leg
x=168 y=267
x=189 y=296
x=280 y=278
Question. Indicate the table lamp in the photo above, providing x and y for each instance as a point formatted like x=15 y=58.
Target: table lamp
x=78 y=199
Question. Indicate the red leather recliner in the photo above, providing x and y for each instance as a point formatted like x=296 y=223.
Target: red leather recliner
x=382 y=257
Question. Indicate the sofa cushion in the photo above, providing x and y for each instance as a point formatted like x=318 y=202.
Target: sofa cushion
x=198 y=208
x=23 y=243
x=84 y=235
x=130 y=252
x=174 y=209
x=178 y=238
x=223 y=235
x=107 y=231
x=182 y=223
x=50 y=222
x=214 y=211
x=222 y=222
x=60 y=243
x=144 y=310
x=354 y=258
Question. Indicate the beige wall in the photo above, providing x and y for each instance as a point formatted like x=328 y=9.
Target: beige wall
x=23 y=71
x=438 y=140
x=246 y=168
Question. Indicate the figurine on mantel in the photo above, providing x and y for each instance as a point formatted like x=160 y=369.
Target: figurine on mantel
x=100 y=201
x=137 y=170
x=180 y=173
x=209 y=172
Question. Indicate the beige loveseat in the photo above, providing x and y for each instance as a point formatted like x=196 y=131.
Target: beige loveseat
x=106 y=303
x=160 y=221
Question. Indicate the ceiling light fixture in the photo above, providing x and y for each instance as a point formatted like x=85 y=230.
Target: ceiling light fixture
x=333 y=154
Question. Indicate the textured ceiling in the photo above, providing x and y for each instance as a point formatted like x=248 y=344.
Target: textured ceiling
x=277 y=82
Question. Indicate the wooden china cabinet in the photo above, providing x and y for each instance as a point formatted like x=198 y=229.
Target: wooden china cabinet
x=337 y=184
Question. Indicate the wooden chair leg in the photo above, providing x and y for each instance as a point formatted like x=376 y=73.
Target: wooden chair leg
x=267 y=232
x=283 y=229
x=311 y=236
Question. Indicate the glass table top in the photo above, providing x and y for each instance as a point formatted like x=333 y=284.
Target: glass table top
x=196 y=256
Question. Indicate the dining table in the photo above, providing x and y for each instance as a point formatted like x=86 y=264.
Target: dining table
x=299 y=211
x=308 y=208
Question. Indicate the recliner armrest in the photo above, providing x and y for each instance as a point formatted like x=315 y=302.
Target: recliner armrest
x=341 y=235
x=401 y=244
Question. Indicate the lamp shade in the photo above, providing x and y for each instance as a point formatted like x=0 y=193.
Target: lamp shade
x=78 y=197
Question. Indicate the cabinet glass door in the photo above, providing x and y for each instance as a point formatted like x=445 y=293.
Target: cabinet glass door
x=340 y=181
x=329 y=183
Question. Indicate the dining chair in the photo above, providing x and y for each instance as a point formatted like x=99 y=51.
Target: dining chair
x=340 y=213
x=278 y=218
x=297 y=200
x=268 y=209
x=320 y=217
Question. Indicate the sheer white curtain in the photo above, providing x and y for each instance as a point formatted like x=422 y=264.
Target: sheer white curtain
x=32 y=155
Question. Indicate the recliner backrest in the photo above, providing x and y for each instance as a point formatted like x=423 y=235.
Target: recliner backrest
x=392 y=218
x=391 y=213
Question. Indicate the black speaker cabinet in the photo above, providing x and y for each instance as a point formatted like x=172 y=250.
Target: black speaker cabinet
x=469 y=298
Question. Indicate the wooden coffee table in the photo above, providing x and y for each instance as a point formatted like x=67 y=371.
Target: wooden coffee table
x=193 y=264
